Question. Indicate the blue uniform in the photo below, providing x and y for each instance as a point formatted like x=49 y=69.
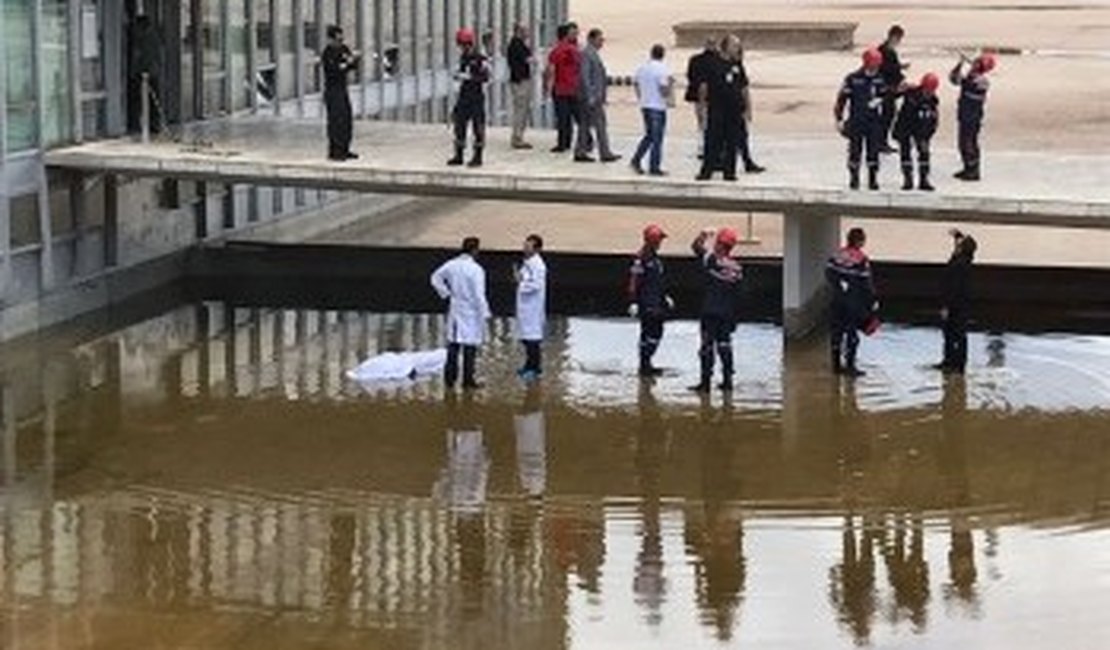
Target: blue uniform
x=863 y=94
x=848 y=273
x=969 y=112
x=719 y=310
x=917 y=122
x=648 y=291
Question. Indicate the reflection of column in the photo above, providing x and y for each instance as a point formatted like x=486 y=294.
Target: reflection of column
x=204 y=361
x=254 y=349
x=649 y=583
x=301 y=343
x=11 y=433
x=230 y=347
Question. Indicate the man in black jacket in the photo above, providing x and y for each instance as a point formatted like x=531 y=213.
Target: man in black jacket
x=337 y=61
x=697 y=73
x=893 y=73
x=956 y=297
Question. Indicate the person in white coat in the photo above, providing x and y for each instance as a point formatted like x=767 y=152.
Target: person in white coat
x=531 y=306
x=462 y=282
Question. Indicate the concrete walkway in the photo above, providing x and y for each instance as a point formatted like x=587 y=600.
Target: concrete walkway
x=806 y=175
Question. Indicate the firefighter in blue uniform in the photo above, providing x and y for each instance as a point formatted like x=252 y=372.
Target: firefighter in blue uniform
x=862 y=93
x=917 y=122
x=974 y=85
x=719 y=306
x=648 y=299
x=853 y=301
x=470 y=108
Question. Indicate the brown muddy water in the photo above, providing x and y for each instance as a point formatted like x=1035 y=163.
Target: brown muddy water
x=208 y=479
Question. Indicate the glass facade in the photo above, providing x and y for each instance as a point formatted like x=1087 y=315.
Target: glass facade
x=20 y=75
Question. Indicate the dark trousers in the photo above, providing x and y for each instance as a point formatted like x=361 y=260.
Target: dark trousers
x=744 y=147
x=969 y=144
x=469 y=362
x=651 y=334
x=338 y=107
x=860 y=136
x=890 y=112
x=844 y=337
x=716 y=341
x=566 y=115
x=470 y=114
x=655 y=128
x=955 y=341
x=533 y=357
x=906 y=146
x=722 y=142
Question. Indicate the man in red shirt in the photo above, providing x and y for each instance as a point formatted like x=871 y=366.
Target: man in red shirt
x=562 y=79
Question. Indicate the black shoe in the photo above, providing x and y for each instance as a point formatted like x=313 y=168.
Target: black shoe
x=731 y=178
x=657 y=172
x=907 y=184
x=650 y=371
x=583 y=158
x=925 y=185
x=703 y=176
x=725 y=387
x=560 y=149
x=971 y=175
x=754 y=169
x=873 y=183
x=458 y=159
x=701 y=388
x=350 y=155
x=476 y=161
x=610 y=158
x=853 y=182
x=852 y=371
x=337 y=157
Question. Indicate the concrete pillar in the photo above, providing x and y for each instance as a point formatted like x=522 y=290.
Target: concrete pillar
x=809 y=237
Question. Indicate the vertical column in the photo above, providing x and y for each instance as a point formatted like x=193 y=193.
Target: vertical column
x=73 y=39
x=112 y=19
x=379 y=54
x=196 y=17
x=46 y=232
x=809 y=237
x=275 y=49
x=398 y=72
x=5 y=209
x=414 y=49
x=362 y=36
x=76 y=195
x=433 y=68
x=228 y=100
x=252 y=54
x=298 y=55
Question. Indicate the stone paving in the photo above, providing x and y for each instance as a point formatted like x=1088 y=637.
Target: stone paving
x=1020 y=188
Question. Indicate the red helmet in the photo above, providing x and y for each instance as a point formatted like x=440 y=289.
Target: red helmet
x=930 y=82
x=986 y=62
x=653 y=234
x=465 y=36
x=872 y=58
x=727 y=237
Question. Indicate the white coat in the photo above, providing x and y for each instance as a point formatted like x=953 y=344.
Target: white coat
x=462 y=281
x=531 y=300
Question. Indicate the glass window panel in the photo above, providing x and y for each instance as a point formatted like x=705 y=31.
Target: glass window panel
x=19 y=75
x=25 y=220
x=57 y=122
x=92 y=46
x=237 y=42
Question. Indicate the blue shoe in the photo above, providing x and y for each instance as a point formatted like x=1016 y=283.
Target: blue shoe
x=528 y=376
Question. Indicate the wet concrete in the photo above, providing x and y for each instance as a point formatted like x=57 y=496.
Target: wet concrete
x=207 y=479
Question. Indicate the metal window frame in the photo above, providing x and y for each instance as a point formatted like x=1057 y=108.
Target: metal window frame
x=250 y=24
x=73 y=37
x=5 y=214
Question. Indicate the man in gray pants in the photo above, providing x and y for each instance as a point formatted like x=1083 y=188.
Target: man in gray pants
x=593 y=95
x=520 y=83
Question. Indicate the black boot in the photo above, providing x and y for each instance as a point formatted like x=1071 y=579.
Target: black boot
x=458 y=159
x=925 y=185
x=726 y=368
x=853 y=179
x=476 y=160
x=907 y=179
x=873 y=178
x=706 y=370
x=835 y=363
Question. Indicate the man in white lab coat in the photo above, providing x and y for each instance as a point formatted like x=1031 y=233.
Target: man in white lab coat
x=462 y=282
x=531 y=306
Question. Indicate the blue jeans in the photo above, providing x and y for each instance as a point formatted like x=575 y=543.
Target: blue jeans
x=655 y=123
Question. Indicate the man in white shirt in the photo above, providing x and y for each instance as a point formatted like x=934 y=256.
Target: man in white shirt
x=654 y=88
x=462 y=282
x=531 y=306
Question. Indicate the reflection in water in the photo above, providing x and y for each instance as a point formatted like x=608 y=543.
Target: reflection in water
x=207 y=479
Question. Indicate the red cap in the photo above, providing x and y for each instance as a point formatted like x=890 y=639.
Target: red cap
x=930 y=82
x=465 y=36
x=654 y=234
x=872 y=58
x=727 y=237
x=986 y=62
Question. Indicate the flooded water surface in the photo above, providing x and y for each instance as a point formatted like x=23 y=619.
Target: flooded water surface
x=209 y=479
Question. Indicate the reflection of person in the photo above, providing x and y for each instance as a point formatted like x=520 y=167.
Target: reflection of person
x=956 y=297
x=337 y=61
x=531 y=446
x=907 y=570
x=531 y=306
x=962 y=573
x=649 y=582
x=462 y=485
x=852 y=582
x=462 y=282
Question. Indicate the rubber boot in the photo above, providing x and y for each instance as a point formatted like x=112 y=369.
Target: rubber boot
x=853 y=179
x=873 y=178
x=476 y=160
x=458 y=159
x=706 y=371
x=925 y=185
x=907 y=179
x=725 y=353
